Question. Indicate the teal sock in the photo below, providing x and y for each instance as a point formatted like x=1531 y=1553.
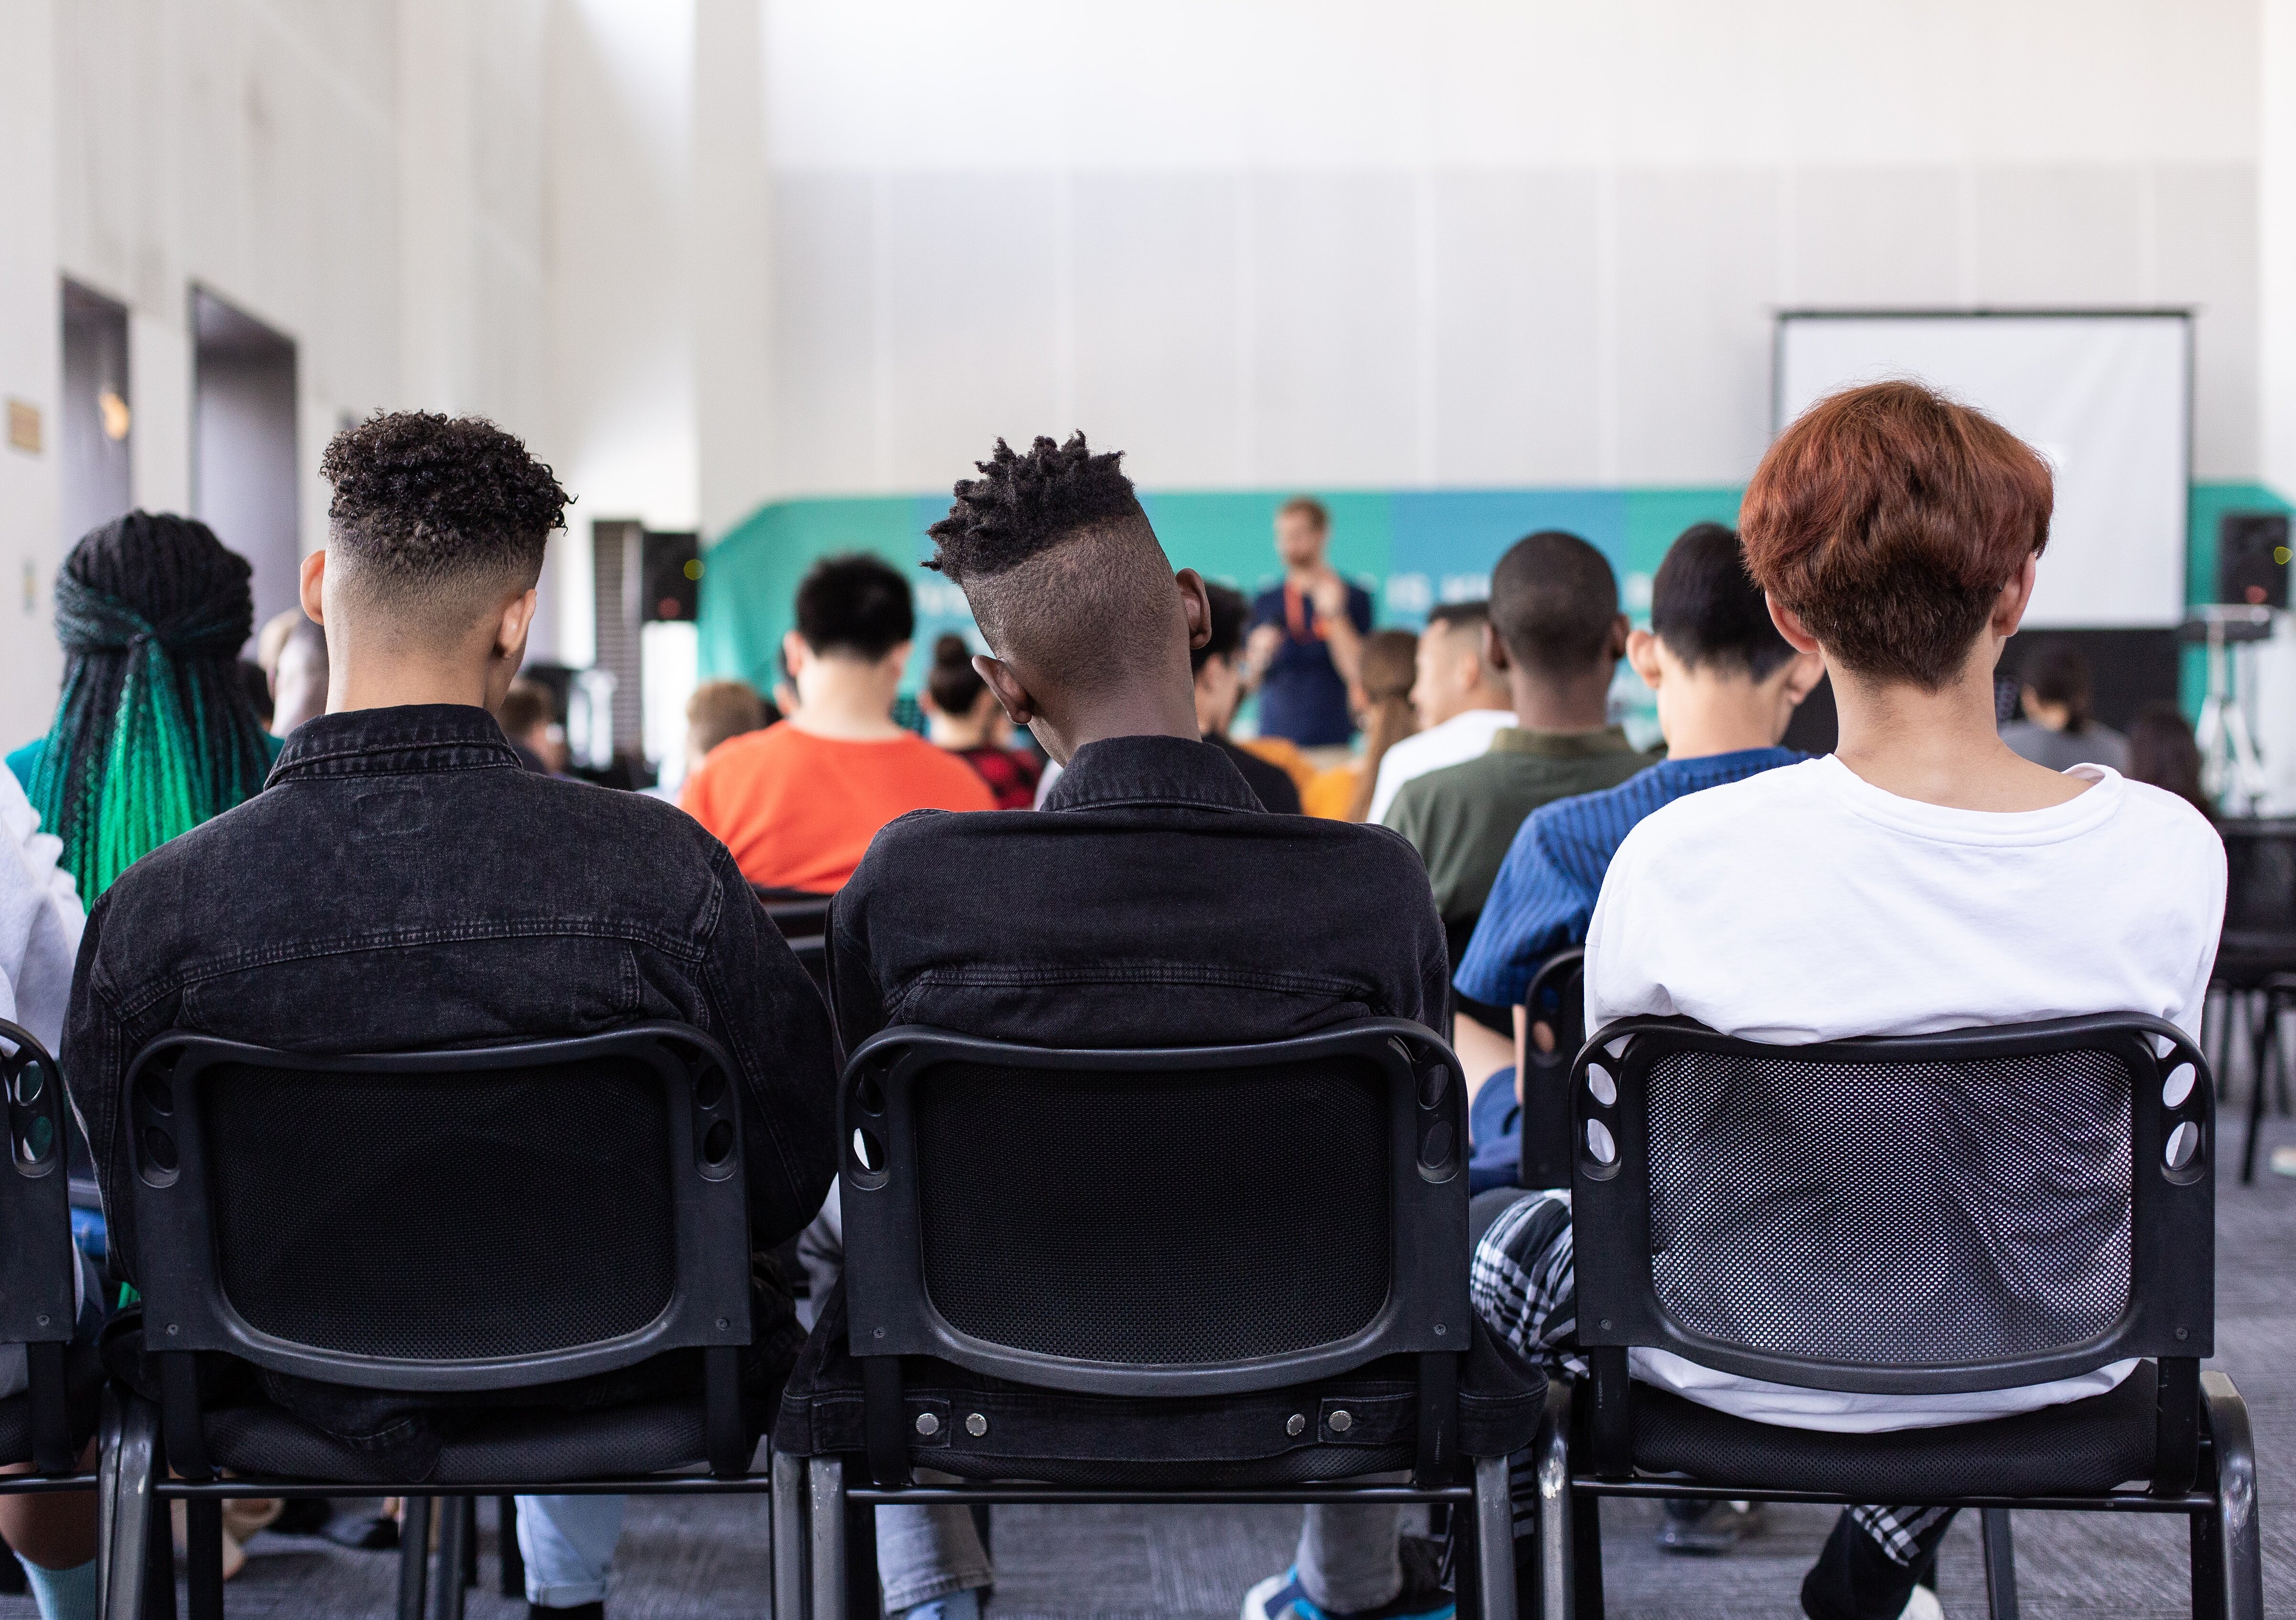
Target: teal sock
x=63 y=1594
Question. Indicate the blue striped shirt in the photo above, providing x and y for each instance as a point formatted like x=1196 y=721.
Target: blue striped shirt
x=1544 y=895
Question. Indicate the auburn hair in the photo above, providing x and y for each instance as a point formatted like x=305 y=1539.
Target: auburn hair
x=1889 y=518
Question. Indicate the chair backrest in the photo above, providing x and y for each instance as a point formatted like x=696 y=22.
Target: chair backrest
x=2259 y=920
x=474 y=1218
x=1173 y=1222
x=1556 y=997
x=36 y=1259
x=1976 y=1209
x=796 y=912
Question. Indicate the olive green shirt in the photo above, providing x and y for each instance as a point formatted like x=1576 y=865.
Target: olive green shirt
x=1462 y=819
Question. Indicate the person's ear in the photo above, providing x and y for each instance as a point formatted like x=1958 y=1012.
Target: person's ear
x=2016 y=596
x=895 y=660
x=1802 y=674
x=511 y=630
x=1642 y=653
x=1196 y=604
x=795 y=653
x=1790 y=625
x=1621 y=627
x=314 y=587
x=1011 y=697
x=1495 y=650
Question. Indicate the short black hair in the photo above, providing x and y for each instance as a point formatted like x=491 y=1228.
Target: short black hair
x=2056 y=671
x=433 y=512
x=1231 y=613
x=1057 y=558
x=856 y=603
x=1553 y=601
x=1707 y=609
x=1460 y=615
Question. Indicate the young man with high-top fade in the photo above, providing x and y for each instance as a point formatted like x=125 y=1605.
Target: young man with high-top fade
x=1163 y=905
x=402 y=883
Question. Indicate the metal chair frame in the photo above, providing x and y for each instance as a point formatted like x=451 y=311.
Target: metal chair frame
x=2204 y=1457
x=892 y=1313
x=187 y=1309
x=1546 y=1091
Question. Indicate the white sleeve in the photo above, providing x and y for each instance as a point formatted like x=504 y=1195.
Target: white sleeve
x=40 y=919
x=1622 y=975
x=2208 y=883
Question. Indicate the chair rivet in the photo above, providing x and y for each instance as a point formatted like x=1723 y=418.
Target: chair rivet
x=976 y=1425
x=928 y=1425
x=1342 y=1422
x=1295 y=1424
x=1606 y=1322
x=2182 y=1333
x=42 y=1318
x=171 y=1329
x=1440 y=1329
x=721 y=1324
x=880 y=1333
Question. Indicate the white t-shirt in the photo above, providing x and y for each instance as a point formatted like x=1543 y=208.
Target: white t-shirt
x=1456 y=741
x=1807 y=904
x=40 y=919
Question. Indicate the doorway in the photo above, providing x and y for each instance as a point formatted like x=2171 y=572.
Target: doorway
x=93 y=421
x=243 y=482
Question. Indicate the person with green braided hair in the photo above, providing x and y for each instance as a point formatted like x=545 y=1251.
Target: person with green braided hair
x=153 y=733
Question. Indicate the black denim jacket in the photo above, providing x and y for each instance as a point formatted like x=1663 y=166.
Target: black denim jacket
x=401 y=881
x=1151 y=901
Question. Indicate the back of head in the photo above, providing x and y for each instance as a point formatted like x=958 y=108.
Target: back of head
x=435 y=521
x=1553 y=602
x=527 y=707
x=855 y=606
x=955 y=686
x=719 y=709
x=2161 y=751
x=1889 y=518
x=1707 y=609
x=154 y=732
x=1065 y=576
x=1459 y=618
x=1231 y=615
x=2058 y=673
x=1389 y=668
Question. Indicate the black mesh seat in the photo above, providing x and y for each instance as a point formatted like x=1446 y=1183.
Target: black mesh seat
x=446 y=1237
x=1224 y=1274
x=1923 y=1215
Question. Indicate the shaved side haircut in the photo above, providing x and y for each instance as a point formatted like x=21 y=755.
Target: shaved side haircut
x=1064 y=575
x=435 y=518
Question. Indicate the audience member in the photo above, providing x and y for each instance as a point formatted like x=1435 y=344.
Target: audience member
x=1306 y=633
x=528 y=717
x=2162 y=753
x=1150 y=864
x=1461 y=698
x=1218 y=667
x=717 y=710
x=153 y=733
x=54 y=1534
x=2059 y=730
x=961 y=716
x=483 y=901
x=1381 y=698
x=299 y=676
x=1924 y=877
x=798 y=802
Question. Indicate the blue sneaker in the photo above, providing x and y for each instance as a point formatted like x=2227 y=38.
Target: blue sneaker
x=1282 y=1597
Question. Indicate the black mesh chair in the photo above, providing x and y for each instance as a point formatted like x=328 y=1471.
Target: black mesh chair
x=51 y=1421
x=461 y=1223
x=1556 y=997
x=2255 y=959
x=1218 y=1274
x=1924 y=1215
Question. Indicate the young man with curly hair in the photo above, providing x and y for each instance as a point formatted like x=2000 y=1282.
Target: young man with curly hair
x=1163 y=905
x=401 y=882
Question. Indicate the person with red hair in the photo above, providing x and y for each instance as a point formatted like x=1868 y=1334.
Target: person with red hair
x=1921 y=877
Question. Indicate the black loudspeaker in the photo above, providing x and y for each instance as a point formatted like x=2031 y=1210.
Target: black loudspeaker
x=2252 y=559
x=672 y=577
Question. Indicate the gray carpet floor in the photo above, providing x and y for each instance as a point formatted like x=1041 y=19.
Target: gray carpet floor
x=685 y=1561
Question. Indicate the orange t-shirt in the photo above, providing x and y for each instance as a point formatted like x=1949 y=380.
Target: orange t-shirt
x=798 y=811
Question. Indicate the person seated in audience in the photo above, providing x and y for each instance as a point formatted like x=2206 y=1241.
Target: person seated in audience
x=1306 y=633
x=481 y=902
x=798 y=802
x=1923 y=877
x=1219 y=675
x=1556 y=633
x=717 y=711
x=1460 y=696
x=2161 y=751
x=2059 y=730
x=1381 y=698
x=961 y=716
x=1726 y=684
x=299 y=675
x=528 y=718
x=54 y=1534
x=1152 y=865
x=154 y=732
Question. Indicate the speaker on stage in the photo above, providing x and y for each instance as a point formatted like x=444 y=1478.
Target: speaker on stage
x=2252 y=559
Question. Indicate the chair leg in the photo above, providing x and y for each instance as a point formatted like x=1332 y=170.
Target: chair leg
x=2236 y=1576
x=1586 y=1557
x=862 y=1595
x=2260 y=1041
x=825 y=1513
x=2000 y=1564
x=203 y=1557
x=1558 y=1580
x=787 y=1550
x=1494 y=1538
x=453 y=1522
x=470 y=1540
x=506 y=1548
x=414 y=1556
x=159 y=1566
x=124 y=1507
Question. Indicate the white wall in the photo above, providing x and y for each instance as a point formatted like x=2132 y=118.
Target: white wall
x=30 y=328
x=1469 y=243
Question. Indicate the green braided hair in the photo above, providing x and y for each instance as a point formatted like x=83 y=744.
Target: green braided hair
x=154 y=732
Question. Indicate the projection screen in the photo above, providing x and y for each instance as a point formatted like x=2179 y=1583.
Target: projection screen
x=2107 y=398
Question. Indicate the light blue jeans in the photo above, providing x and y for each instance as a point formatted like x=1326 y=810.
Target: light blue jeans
x=568 y=1542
